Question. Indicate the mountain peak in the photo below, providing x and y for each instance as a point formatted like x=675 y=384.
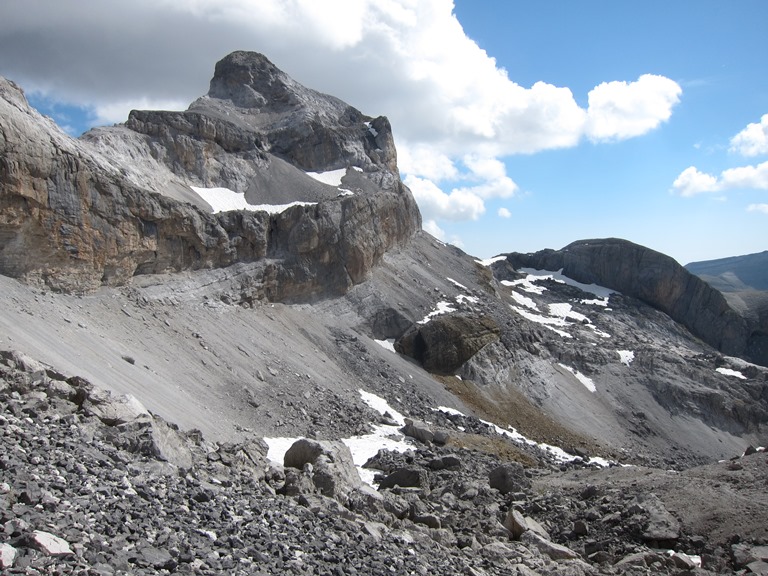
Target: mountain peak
x=251 y=80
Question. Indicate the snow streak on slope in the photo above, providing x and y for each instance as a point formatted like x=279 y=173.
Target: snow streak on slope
x=224 y=200
x=588 y=384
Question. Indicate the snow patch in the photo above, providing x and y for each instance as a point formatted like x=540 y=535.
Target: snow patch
x=588 y=383
x=729 y=372
x=533 y=275
x=463 y=297
x=362 y=447
x=225 y=200
x=452 y=281
x=389 y=344
x=489 y=261
x=546 y=321
x=332 y=177
x=524 y=300
x=441 y=307
x=626 y=356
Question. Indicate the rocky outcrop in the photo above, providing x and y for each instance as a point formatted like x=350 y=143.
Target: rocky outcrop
x=75 y=215
x=445 y=343
x=655 y=279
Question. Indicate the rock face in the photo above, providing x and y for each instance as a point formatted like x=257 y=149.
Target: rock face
x=657 y=280
x=445 y=343
x=77 y=214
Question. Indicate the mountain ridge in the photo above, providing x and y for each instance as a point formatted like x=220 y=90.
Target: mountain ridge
x=192 y=350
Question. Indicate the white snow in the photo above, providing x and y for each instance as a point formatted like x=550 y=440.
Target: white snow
x=224 y=200
x=389 y=344
x=524 y=300
x=345 y=192
x=441 y=307
x=452 y=281
x=558 y=453
x=449 y=411
x=626 y=356
x=588 y=384
x=533 y=275
x=381 y=406
x=489 y=261
x=332 y=177
x=546 y=321
x=361 y=447
x=729 y=372
x=462 y=297
x=525 y=285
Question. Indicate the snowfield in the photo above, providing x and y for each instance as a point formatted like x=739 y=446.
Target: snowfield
x=225 y=200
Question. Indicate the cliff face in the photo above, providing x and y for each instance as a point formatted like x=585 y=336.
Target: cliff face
x=657 y=280
x=77 y=214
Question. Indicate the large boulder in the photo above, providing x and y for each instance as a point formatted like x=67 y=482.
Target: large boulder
x=446 y=342
x=333 y=470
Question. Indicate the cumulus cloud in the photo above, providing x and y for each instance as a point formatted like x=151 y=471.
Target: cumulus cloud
x=753 y=140
x=692 y=182
x=504 y=213
x=620 y=110
x=459 y=204
x=455 y=112
x=758 y=208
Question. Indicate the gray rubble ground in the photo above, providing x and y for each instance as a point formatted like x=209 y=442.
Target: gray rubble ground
x=85 y=493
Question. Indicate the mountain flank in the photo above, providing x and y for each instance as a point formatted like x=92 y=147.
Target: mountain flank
x=227 y=347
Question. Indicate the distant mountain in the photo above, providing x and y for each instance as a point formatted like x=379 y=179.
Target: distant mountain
x=734 y=274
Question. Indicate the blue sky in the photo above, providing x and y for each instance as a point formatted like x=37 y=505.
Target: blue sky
x=520 y=125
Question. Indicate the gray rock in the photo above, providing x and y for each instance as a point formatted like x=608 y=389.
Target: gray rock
x=406 y=477
x=515 y=522
x=418 y=430
x=508 y=478
x=446 y=342
x=49 y=544
x=7 y=555
x=551 y=549
x=333 y=469
x=662 y=527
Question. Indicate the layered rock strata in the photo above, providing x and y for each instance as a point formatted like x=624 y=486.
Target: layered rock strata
x=78 y=214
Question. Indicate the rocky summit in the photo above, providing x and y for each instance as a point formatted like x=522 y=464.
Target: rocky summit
x=227 y=347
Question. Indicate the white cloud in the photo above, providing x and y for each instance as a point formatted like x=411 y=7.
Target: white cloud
x=460 y=204
x=758 y=208
x=426 y=161
x=692 y=182
x=455 y=113
x=431 y=227
x=504 y=213
x=620 y=110
x=117 y=112
x=753 y=140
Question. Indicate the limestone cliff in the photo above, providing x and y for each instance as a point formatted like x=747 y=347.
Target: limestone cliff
x=657 y=280
x=77 y=214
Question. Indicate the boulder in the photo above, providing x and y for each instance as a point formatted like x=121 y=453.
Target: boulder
x=49 y=544
x=8 y=555
x=333 y=469
x=406 y=477
x=515 y=522
x=114 y=409
x=551 y=549
x=446 y=342
x=662 y=528
x=508 y=478
x=418 y=430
